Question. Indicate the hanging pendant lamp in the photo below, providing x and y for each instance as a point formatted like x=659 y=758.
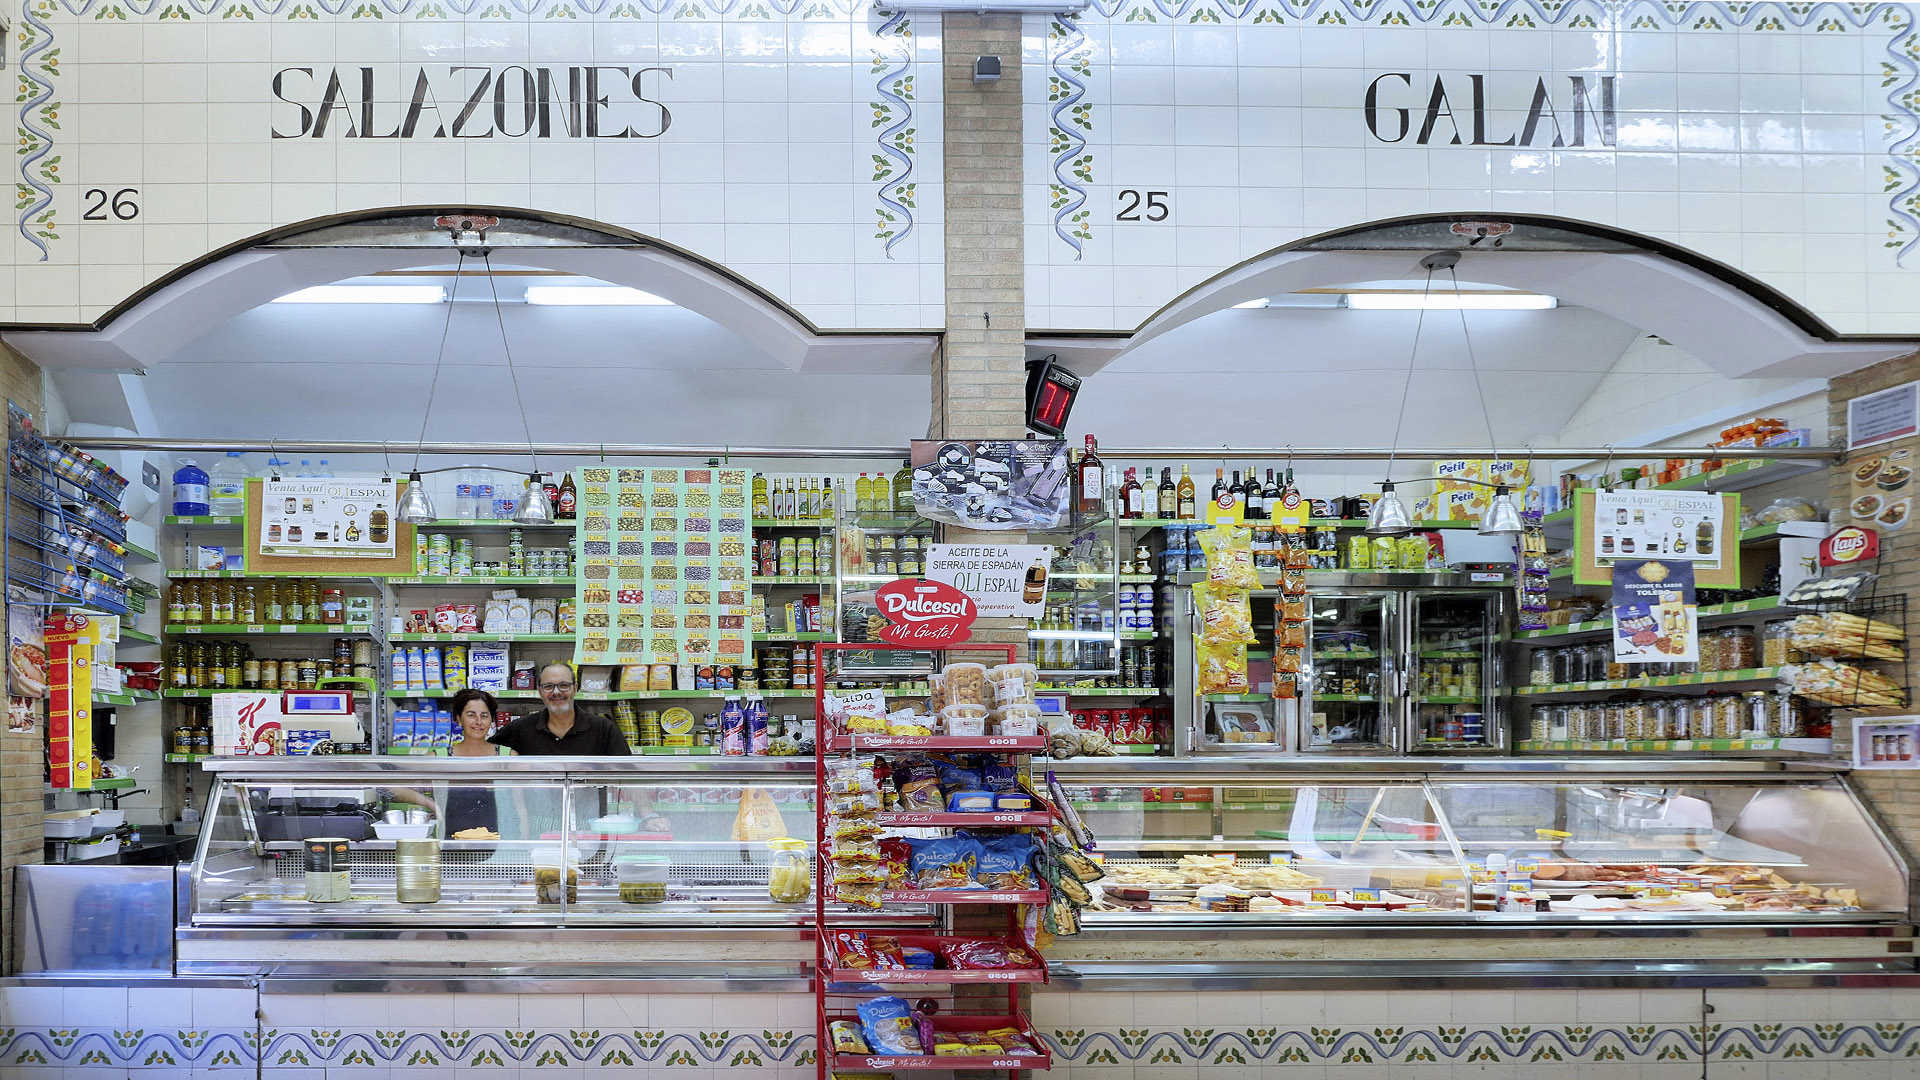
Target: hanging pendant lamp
x=534 y=508
x=1502 y=517
x=415 y=508
x=1389 y=516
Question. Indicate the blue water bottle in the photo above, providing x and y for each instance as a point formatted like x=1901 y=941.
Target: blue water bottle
x=190 y=490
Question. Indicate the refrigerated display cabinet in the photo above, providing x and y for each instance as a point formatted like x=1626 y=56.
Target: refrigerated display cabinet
x=1394 y=663
x=692 y=835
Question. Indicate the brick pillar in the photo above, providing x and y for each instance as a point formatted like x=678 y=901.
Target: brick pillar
x=22 y=757
x=1895 y=795
x=979 y=374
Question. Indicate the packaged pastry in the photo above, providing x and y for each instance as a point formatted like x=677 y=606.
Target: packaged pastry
x=966 y=955
x=908 y=722
x=1225 y=615
x=1013 y=683
x=1005 y=862
x=847 y=1038
x=1229 y=551
x=966 y=684
x=888 y=1024
x=1223 y=668
x=964 y=719
x=943 y=862
x=1016 y=720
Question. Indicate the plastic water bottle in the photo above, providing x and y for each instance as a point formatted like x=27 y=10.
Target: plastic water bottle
x=306 y=470
x=228 y=495
x=190 y=490
x=323 y=471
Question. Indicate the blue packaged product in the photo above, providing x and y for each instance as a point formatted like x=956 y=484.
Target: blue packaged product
x=733 y=728
x=1013 y=801
x=917 y=957
x=970 y=802
x=1006 y=862
x=955 y=776
x=442 y=729
x=943 y=862
x=889 y=1026
x=402 y=740
x=999 y=777
x=756 y=710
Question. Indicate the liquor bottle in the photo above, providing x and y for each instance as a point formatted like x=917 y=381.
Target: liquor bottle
x=1188 y=508
x=1238 y=490
x=1133 y=502
x=1166 y=498
x=569 y=498
x=1271 y=496
x=824 y=511
x=1092 y=479
x=1219 y=484
x=1035 y=589
x=1256 y=497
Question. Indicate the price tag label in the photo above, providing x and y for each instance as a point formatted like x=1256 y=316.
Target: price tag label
x=1367 y=896
x=1280 y=858
x=1520 y=887
x=1323 y=896
x=1655 y=892
x=1526 y=867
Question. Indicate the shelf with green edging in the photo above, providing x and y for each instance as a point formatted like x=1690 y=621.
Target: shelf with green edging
x=186 y=759
x=205 y=520
x=1658 y=746
x=810 y=526
x=789 y=635
x=490 y=523
x=484 y=579
x=1245 y=698
x=1450 y=654
x=141 y=636
x=272 y=629
x=793 y=579
x=1447 y=700
x=1735 y=476
x=130 y=697
x=1600 y=626
x=481 y=637
x=135 y=551
x=1346 y=654
x=1363 y=698
x=1654 y=682
x=1103 y=691
x=502 y=695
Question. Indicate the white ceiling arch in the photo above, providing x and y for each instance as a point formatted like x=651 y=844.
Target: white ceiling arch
x=1735 y=324
x=256 y=271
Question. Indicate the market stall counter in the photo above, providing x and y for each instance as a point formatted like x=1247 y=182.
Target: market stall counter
x=1215 y=872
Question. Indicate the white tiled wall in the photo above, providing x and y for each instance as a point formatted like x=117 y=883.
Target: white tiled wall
x=1760 y=136
x=768 y=166
x=1788 y=1034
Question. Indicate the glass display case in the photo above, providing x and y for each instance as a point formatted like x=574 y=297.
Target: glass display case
x=1079 y=636
x=871 y=550
x=1494 y=847
x=503 y=842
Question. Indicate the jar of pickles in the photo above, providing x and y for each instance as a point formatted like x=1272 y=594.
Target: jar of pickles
x=1729 y=718
x=1776 y=643
x=1741 y=649
x=789 y=878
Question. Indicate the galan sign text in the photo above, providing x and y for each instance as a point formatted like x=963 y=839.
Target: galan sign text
x=924 y=613
x=1462 y=115
x=472 y=101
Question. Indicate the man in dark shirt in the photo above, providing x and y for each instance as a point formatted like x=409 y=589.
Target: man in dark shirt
x=560 y=730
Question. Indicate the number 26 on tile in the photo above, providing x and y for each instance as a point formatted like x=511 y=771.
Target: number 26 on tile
x=122 y=205
x=1136 y=205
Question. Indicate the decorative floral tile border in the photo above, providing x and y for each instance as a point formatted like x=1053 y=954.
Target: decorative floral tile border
x=575 y=1048
x=1069 y=73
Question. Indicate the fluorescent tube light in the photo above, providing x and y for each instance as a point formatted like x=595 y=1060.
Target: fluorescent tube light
x=1451 y=301
x=593 y=296
x=365 y=294
x=1248 y=305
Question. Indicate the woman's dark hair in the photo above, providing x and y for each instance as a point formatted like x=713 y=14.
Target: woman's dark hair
x=460 y=700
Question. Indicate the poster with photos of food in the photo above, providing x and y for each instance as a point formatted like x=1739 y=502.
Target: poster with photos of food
x=664 y=565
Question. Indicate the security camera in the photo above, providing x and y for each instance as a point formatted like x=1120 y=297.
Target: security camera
x=986 y=69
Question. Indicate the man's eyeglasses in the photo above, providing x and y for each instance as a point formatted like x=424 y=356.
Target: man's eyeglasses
x=555 y=688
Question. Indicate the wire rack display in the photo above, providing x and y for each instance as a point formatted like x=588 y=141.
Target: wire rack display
x=1854 y=651
x=65 y=532
x=968 y=1016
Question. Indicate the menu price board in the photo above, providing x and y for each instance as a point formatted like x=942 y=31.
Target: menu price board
x=1600 y=538
x=664 y=566
x=335 y=517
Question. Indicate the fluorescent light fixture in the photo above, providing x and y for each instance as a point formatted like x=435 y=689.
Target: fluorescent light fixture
x=593 y=296
x=1451 y=301
x=365 y=294
x=1250 y=305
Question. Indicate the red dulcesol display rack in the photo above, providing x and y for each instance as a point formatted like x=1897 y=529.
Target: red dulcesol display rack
x=832 y=981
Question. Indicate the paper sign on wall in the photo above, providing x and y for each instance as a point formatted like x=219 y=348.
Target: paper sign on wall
x=1883 y=416
x=1674 y=526
x=1004 y=580
x=348 y=516
x=1655 y=620
x=1880 y=489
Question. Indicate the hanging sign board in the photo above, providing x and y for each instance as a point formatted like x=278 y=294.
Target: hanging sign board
x=1004 y=580
x=71 y=640
x=991 y=485
x=1655 y=619
x=1672 y=526
x=1849 y=545
x=1886 y=742
x=924 y=613
x=1883 y=416
x=337 y=517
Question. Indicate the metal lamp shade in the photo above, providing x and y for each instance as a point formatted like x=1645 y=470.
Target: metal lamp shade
x=1389 y=515
x=415 y=507
x=1502 y=517
x=534 y=509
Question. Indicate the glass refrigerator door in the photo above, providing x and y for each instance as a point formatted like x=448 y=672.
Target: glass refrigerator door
x=1452 y=670
x=1078 y=637
x=1350 y=649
